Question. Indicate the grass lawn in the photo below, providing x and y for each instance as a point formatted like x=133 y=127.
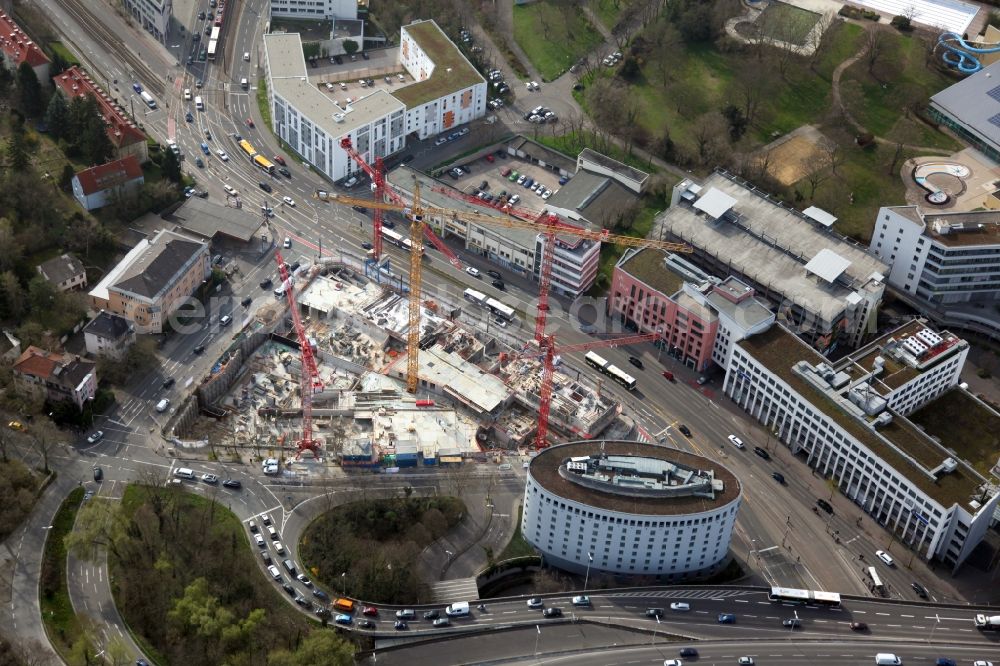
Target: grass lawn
x=262 y=105
x=787 y=23
x=608 y=11
x=882 y=99
x=67 y=55
x=60 y=621
x=518 y=546
x=553 y=38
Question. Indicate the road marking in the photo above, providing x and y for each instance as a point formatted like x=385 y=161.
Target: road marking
x=877 y=613
x=741 y=601
x=904 y=615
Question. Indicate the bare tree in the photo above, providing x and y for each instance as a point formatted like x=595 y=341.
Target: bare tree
x=708 y=133
x=750 y=85
x=817 y=175
x=46 y=438
x=835 y=156
x=874 y=46
x=668 y=40
x=896 y=156
x=6 y=439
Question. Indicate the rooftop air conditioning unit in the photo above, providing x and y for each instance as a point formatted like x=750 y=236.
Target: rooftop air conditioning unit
x=338 y=117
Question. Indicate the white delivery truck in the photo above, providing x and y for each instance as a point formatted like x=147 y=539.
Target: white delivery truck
x=148 y=99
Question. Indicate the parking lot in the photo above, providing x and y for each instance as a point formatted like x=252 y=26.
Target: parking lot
x=482 y=169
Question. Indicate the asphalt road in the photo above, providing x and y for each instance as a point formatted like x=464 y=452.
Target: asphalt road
x=777 y=531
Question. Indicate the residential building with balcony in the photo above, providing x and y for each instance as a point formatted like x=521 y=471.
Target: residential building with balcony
x=55 y=377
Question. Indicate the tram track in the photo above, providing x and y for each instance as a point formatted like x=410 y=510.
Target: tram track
x=114 y=45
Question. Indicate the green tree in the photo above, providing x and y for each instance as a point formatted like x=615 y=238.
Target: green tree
x=98 y=525
x=319 y=648
x=12 y=297
x=18 y=158
x=58 y=64
x=6 y=78
x=41 y=294
x=12 y=248
x=199 y=613
x=30 y=89
x=57 y=117
x=350 y=46
x=171 y=166
x=95 y=146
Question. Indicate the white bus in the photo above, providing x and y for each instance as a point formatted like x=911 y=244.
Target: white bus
x=876 y=581
x=213 y=45
x=477 y=297
x=499 y=309
x=398 y=240
x=612 y=371
x=794 y=596
x=216 y=30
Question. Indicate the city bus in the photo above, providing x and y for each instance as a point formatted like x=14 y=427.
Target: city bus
x=477 y=297
x=247 y=149
x=614 y=372
x=214 y=37
x=399 y=241
x=877 y=584
x=213 y=45
x=263 y=164
x=499 y=309
x=793 y=596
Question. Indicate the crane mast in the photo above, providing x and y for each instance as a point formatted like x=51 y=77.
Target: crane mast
x=309 y=380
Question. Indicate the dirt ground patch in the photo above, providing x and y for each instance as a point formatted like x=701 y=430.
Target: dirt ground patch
x=795 y=155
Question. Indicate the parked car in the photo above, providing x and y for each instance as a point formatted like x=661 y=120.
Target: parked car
x=210 y=479
x=95 y=437
x=98 y=474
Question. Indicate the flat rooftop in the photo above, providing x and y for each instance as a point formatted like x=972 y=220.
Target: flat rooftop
x=899 y=367
x=289 y=79
x=975 y=103
x=779 y=350
x=596 y=198
x=976 y=441
x=544 y=469
x=623 y=170
x=462 y=380
x=650 y=266
x=738 y=240
x=451 y=73
x=207 y=219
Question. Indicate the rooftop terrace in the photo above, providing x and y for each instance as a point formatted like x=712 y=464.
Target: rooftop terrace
x=452 y=72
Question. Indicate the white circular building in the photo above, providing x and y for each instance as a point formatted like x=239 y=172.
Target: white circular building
x=628 y=508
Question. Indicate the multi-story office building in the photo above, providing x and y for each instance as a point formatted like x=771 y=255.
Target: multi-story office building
x=699 y=315
x=313 y=124
x=574 y=265
x=315 y=9
x=849 y=421
x=825 y=287
x=153 y=280
x=628 y=508
x=153 y=15
x=447 y=92
x=950 y=261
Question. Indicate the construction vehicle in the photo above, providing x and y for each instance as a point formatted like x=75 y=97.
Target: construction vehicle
x=309 y=382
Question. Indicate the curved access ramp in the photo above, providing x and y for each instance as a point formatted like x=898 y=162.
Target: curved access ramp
x=960 y=54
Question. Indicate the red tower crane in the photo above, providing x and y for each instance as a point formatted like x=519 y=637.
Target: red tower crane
x=382 y=193
x=310 y=381
x=547 y=350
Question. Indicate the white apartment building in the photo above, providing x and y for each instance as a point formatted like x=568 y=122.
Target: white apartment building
x=948 y=263
x=153 y=15
x=448 y=91
x=849 y=422
x=629 y=508
x=315 y=9
x=574 y=265
x=313 y=124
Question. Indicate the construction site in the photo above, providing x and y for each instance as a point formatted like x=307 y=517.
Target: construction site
x=471 y=401
x=387 y=379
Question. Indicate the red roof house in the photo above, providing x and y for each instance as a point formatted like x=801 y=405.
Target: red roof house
x=94 y=186
x=18 y=48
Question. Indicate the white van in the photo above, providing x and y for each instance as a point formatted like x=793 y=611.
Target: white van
x=163 y=405
x=199 y=103
x=457 y=609
x=887 y=659
x=184 y=473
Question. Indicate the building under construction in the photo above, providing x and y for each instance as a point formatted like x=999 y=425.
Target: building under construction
x=467 y=401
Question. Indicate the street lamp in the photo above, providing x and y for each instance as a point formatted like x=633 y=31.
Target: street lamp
x=343 y=583
x=586 y=580
x=538 y=635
